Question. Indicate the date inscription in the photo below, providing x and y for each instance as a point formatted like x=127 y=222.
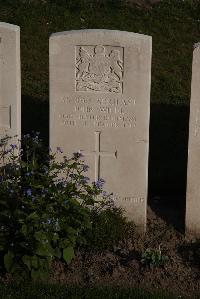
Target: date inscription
x=98 y=113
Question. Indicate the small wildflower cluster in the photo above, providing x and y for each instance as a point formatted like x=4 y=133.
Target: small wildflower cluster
x=99 y=183
x=153 y=258
x=45 y=205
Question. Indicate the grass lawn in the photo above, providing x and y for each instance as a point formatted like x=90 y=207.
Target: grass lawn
x=43 y=291
x=174 y=26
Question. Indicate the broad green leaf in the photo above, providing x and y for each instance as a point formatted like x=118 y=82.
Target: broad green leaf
x=55 y=237
x=8 y=261
x=34 y=262
x=27 y=261
x=44 y=264
x=35 y=274
x=64 y=243
x=45 y=250
x=68 y=254
x=33 y=216
x=40 y=236
x=24 y=229
x=14 y=268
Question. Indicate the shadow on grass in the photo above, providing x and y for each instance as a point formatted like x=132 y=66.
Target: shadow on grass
x=168 y=162
x=35 y=117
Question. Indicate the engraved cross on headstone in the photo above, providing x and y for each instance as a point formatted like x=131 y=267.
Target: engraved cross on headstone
x=97 y=153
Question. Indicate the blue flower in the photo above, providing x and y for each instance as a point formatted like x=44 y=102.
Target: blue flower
x=64 y=184
x=104 y=194
x=45 y=190
x=65 y=158
x=29 y=192
x=99 y=183
x=8 y=151
x=13 y=146
x=59 y=150
x=85 y=180
x=78 y=155
x=85 y=168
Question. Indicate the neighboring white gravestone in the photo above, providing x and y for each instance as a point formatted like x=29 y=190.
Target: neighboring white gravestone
x=99 y=105
x=193 y=173
x=10 y=81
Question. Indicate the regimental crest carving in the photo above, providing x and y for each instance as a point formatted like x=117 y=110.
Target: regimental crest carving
x=99 y=68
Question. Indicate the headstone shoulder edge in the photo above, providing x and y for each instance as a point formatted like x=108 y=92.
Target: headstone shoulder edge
x=101 y=31
x=9 y=26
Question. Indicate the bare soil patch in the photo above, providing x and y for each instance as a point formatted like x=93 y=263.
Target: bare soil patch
x=122 y=267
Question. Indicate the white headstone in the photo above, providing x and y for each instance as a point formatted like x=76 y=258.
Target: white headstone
x=10 y=80
x=193 y=173
x=99 y=105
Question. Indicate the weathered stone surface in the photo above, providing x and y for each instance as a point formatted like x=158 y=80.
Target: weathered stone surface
x=193 y=173
x=99 y=105
x=10 y=80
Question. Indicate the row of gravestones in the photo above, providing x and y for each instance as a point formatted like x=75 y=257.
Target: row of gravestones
x=99 y=105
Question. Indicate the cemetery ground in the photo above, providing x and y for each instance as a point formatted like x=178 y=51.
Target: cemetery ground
x=116 y=262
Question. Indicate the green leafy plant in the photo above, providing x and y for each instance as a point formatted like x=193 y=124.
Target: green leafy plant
x=153 y=258
x=109 y=228
x=45 y=205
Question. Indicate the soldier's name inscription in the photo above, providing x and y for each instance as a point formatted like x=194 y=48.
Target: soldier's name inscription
x=98 y=113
